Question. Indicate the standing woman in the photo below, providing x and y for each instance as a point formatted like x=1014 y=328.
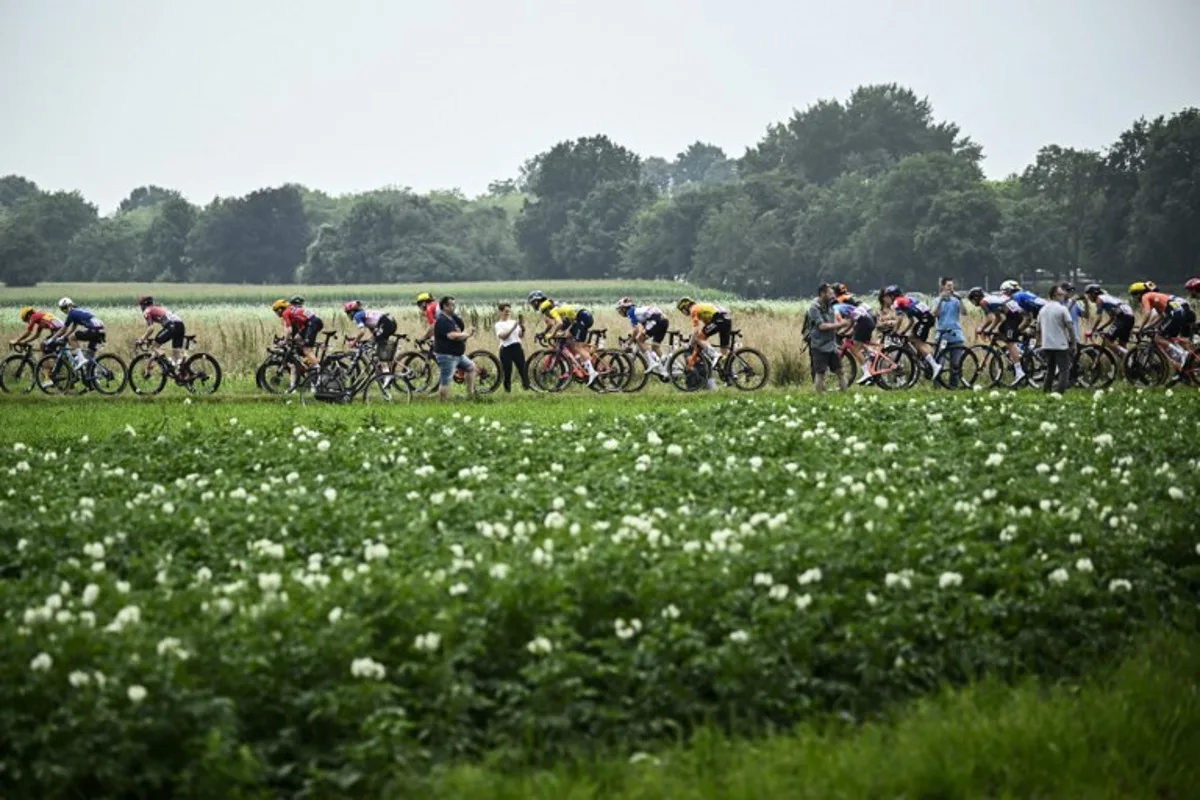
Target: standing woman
x=509 y=331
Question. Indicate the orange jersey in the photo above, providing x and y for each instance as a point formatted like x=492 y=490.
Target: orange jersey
x=1162 y=303
x=44 y=320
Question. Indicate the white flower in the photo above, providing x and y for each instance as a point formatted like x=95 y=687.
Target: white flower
x=233 y=421
x=330 y=493
x=335 y=615
x=626 y=630
x=670 y=612
x=123 y=587
x=170 y=646
x=323 y=445
x=994 y=460
x=872 y=599
x=269 y=581
x=375 y=551
x=1075 y=538
x=499 y=571
x=653 y=438
x=739 y=637
x=881 y=501
x=555 y=520
x=779 y=592
x=1175 y=493
x=136 y=693
x=292 y=477
x=1048 y=427
x=367 y=668
x=1103 y=440
x=756 y=462
x=203 y=575
x=803 y=601
x=428 y=642
x=989 y=494
x=891 y=447
x=1119 y=585
x=1042 y=468
x=1084 y=565
x=810 y=576
x=611 y=444
x=94 y=550
x=948 y=579
x=41 y=662
x=902 y=579
x=22 y=544
x=933 y=419
x=540 y=646
x=1059 y=575
x=79 y=678
x=457 y=589
x=763 y=579
x=674 y=450
x=168 y=508
x=129 y=615
x=90 y=593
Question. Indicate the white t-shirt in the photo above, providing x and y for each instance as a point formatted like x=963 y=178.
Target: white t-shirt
x=506 y=334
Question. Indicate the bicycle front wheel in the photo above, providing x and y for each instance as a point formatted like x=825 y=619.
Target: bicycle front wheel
x=688 y=377
x=487 y=371
x=747 y=369
x=388 y=388
x=897 y=369
x=1095 y=367
x=422 y=369
x=201 y=374
x=18 y=374
x=959 y=368
x=108 y=374
x=549 y=372
x=147 y=375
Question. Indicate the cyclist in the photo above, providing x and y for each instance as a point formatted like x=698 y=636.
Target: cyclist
x=1003 y=317
x=172 y=329
x=858 y=322
x=1114 y=315
x=36 y=322
x=85 y=325
x=571 y=323
x=1029 y=303
x=377 y=324
x=649 y=322
x=302 y=324
x=429 y=310
x=708 y=319
x=915 y=322
x=1169 y=316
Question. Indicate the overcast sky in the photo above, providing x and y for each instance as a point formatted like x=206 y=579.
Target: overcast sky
x=226 y=96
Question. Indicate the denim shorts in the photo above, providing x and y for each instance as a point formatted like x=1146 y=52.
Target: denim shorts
x=447 y=365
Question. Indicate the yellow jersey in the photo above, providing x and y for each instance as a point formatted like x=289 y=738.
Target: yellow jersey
x=563 y=313
x=704 y=312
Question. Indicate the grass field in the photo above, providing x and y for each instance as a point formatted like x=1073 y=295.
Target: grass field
x=768 y=595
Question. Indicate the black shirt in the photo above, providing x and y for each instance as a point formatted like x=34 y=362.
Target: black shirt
x=442 y=343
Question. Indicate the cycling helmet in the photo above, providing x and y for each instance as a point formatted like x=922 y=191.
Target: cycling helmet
x=352 y=306
x=623 y=304
x=1141 y=287
x=296 y=300
x=145 y=300
x=424 y=297
x=1010 y=286
x=1093 y=289
x=66 y=303
x=685 y=303
x=1193 y=285
x=535 y=298
x=279 y=305
x=893 y=290
x=546 y=305
x=26 y=313
x=976 y=294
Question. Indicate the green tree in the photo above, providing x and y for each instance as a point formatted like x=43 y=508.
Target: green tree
x=146 y=197
x=163 y=255
x=13 y=190
x=1070 y=180
x=109 y=249
x=589 y=245
x=259 y=238
x=702 y=164
x=24 y=257
x=663 y=237
x=1164 y=223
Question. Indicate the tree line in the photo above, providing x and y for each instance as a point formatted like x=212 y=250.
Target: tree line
x=872 y=189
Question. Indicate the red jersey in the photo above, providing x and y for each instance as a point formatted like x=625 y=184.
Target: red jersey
x=160 y=315
x=296 y=318
x=431 y=312
x=44 y=320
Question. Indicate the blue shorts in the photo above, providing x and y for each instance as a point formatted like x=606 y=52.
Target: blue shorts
x=447 y=365
x=581 y=325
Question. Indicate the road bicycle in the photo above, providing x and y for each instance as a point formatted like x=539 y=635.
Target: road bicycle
x=341 y=380
x=18 y=372
x=422 y=365
x=1094 y=366
x=1153 y=360
x=889 y=367
x=640 y=372
x=995 y=364
x=743 y=368
x=68 y=371
x=284 y=367
x=198 y=373
x=555 y=367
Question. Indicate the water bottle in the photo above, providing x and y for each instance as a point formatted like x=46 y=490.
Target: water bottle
x=78 y=358
x=1176 y=352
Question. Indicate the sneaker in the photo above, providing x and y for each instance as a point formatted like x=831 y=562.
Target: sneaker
x=937 y=368
x=865 y=379
x=592 y=378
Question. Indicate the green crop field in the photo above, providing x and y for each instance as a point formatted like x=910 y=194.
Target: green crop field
x=743 y=596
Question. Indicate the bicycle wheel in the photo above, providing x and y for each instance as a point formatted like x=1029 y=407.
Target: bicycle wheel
x=1034 y=364
x=550 y=372
x=147 y=374
x=18 y=374
x=638 y=375
x=747 y=369
x=107 y=374
x=201 y=374
x=1145 y=366
x=898 y=369
x=274 y=376
x=59 y=376
x=613 y=370
x=487 y=371
x=422 y=368
x=959 y=368
x=1095 y=367
x=688 y=378
x=395 y=389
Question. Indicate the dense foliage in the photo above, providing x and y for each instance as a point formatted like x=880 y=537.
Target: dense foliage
x=200 y=612
x=869 y=190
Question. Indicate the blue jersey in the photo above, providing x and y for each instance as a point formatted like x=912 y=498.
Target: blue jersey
x=643 y=314
x=1076 y=309
x=854 y=312
x=85 y=318
x=1029 y=302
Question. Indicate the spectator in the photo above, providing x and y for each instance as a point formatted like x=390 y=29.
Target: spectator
x=509 y=331
x=1057 y=339
x=450 y=347
x=948 y=310
x=822 y=325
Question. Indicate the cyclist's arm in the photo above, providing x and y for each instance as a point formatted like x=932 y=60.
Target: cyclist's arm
x=1150 y=320
x=30 y=335
x=149 y=334
x=1103 y=318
